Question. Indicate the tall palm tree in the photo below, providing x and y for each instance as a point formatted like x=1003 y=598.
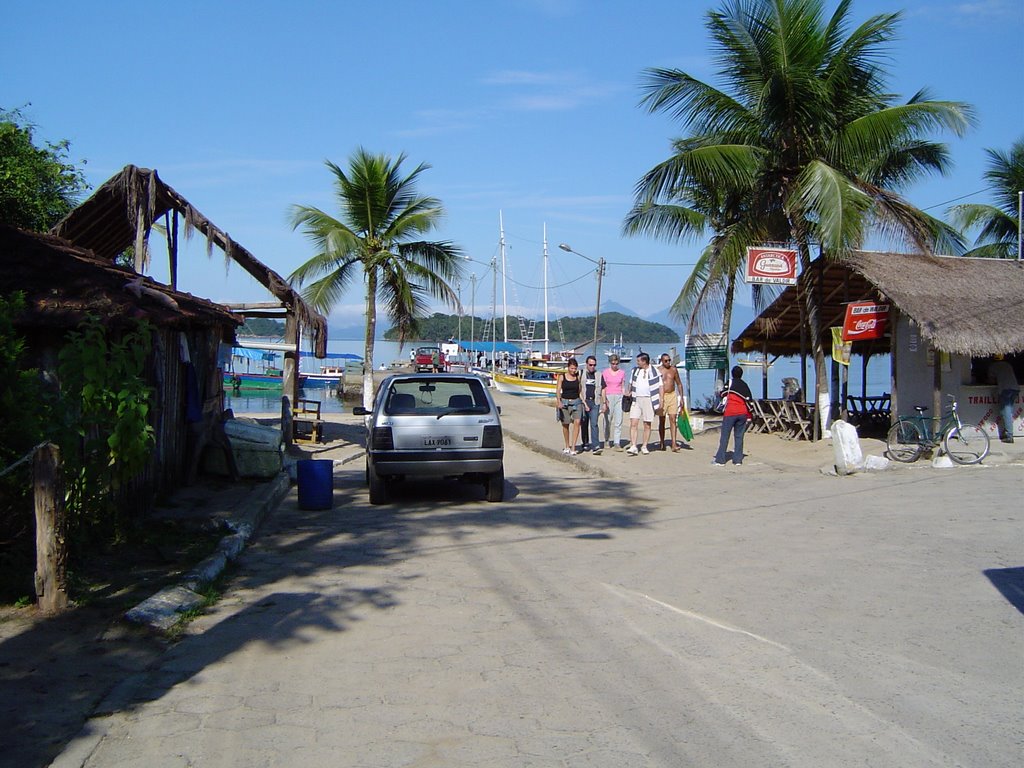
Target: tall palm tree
x=807 y=115
x=382 y=215
x=703 y=204
x=999 y=224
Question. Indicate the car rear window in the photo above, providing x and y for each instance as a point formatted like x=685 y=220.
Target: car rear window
x=430 y=396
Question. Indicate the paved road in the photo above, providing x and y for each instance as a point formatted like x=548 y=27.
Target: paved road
x=736 y=619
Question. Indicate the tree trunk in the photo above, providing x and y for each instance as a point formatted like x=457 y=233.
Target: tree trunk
x=822 y=401
x=371 y=332
x=730 y=292
x=51 y=579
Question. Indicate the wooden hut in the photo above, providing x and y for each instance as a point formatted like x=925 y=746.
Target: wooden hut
x=121 y=214
x=949 y=316
x=63 y=284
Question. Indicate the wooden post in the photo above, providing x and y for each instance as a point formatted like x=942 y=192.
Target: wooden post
x=51 y=578
x=290 y=372
x=286 y=421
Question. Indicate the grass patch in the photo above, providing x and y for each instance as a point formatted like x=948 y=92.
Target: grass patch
x=211 y=592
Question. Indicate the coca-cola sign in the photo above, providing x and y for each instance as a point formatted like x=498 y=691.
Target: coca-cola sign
x=865 y=320
x=774 y=266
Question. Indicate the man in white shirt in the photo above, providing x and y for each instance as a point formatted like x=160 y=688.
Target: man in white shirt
x=645 y=387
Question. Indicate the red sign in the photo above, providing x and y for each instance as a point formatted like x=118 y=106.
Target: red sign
x=774 y=266
x=865 y=320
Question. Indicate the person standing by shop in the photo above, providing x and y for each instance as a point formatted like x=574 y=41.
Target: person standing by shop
x=1009 y=390
x=645 y=387
x=570 y=405
x=589 y=425
x=612 y=379
x=735 y=418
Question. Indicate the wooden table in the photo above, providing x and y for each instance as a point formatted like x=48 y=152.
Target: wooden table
x=872 y=411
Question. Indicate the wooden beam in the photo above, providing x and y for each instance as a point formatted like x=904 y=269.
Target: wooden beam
x=254 y=305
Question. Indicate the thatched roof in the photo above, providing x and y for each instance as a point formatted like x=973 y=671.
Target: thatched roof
x=63 y=283
x=961 y=305
x=121 y=214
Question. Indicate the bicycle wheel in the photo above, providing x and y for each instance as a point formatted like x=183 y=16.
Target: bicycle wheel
x=967 y=444
x=904 y=441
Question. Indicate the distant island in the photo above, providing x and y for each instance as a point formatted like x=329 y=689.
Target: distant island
x=611 y=325
x=261 y=326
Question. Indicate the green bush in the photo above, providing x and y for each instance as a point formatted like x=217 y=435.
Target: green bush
x=24 y=415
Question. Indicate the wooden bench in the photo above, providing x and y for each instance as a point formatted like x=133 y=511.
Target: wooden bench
x=798 y=419
x=307 y=426
x=773 y=411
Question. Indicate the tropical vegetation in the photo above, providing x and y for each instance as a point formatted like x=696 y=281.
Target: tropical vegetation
x=998 y=224
x=375 y=238
x=805 y=128
x=261 y=326
x=611 y=325
x=38 y=184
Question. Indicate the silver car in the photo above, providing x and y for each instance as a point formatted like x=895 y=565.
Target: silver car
x=433 y=425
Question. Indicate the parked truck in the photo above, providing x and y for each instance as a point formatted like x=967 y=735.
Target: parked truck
x=429 y=359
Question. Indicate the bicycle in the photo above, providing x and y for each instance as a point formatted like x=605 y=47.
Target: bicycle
x=911 y=436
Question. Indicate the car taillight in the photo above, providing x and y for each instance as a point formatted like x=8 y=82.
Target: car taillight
x=492 y=436
x=382 y=439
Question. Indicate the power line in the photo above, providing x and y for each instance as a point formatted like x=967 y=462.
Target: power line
x=969 y=194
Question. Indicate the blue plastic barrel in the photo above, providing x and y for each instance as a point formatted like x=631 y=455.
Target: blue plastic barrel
x=316 y=484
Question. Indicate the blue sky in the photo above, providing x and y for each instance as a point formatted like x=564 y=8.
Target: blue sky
x=528 y=107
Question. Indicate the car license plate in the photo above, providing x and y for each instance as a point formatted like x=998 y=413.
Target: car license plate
x=436 y=442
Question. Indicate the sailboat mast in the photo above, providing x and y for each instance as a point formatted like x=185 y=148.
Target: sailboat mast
x=546 y=334
x=504 y=298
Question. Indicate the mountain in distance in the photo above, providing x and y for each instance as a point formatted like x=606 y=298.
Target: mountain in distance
x=742 y=316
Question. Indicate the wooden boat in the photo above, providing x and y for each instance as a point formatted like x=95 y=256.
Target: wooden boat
x=259 y=373
x=329 y=377
x=529 y=380
x=270 y=378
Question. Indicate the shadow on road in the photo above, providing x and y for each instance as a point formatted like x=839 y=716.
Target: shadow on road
x=55 y=673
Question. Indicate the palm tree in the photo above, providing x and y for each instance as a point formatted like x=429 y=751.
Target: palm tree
x=703 y=204
x=381 y=214
x=999 y=224
x=808 y=117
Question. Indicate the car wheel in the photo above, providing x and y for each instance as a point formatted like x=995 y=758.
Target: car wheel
x=495 y=485
x=378 y=490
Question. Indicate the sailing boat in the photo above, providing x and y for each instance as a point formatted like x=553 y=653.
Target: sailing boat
x=624 y=355
x=538 y=376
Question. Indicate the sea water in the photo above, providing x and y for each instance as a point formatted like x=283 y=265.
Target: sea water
x=701 y=382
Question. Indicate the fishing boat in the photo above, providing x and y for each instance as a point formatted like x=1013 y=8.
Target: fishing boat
x=617 y=349
x=330 y=375
x=528 y=380
x=259 y=372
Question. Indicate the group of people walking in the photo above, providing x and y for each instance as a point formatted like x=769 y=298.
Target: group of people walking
x=589 y=400
x=592 y=405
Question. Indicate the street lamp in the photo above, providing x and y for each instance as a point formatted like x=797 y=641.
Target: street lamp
x=600 y=273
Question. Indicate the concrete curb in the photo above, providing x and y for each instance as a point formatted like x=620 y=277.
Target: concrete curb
x=551 y=453
x=163 y=610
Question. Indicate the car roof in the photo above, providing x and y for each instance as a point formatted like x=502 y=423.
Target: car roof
x=432 y=377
